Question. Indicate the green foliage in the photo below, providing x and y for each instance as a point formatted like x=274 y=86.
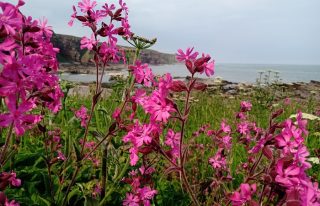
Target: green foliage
x=40 y=188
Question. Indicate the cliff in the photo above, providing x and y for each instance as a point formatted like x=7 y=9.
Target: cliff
x=70 y=52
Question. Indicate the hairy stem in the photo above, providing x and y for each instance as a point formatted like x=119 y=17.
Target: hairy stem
x=6 y=144
x=182 y=163
x=93 y=104
x=71 y=184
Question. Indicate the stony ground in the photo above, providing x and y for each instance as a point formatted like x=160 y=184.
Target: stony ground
x=300 y=90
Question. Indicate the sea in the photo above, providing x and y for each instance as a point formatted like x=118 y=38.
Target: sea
x=247 y=73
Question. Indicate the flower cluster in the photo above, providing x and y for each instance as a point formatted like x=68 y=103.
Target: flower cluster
x=145 y=137
x=28 y=77
x=292 y=164
x=245 y=195
x=141 y=193
x=91 y=17
x=54 y=144
x=5 y=180
x=194 y=63
x=275 y=169
x=82 y=114
x=285 y=179
x=88 y=146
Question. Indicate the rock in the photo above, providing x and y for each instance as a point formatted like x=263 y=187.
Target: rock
x=84 y=91
x=229 y=87
x=232 y=92
x=315 y=82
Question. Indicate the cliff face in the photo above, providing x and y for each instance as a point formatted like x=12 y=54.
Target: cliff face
x=70 y=52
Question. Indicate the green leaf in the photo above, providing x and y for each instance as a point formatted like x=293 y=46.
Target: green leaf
x=40 y=200
x=77 y=151
x=75 y=192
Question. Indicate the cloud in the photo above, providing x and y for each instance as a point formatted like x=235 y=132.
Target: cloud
x=247 y=31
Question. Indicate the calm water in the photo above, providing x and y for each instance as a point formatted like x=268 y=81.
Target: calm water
x=231 y=72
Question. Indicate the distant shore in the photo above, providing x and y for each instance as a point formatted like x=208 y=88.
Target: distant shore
x=231 y=72
x=87 y=68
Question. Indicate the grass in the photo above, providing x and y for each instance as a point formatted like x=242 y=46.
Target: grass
x=206 y=109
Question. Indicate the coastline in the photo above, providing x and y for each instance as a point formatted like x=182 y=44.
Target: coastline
x=216 y=86
x=229 y=89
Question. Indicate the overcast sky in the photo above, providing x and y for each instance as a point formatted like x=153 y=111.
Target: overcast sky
x=232 y=31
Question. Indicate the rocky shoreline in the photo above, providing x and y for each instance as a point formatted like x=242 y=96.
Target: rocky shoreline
x=298 y=90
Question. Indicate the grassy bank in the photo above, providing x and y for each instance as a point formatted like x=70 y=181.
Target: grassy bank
x=207 y=108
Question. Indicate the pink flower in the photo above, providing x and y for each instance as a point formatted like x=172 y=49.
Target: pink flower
x=158 y=107
x=26 y=78
x=302 y=124
x=245 y=194
x=82 y=115
x=301 y=157
x=131 y=200
x=88 y=43
x=10 y=19
x=139 y=96
x=287 y=101
x=110 y=31
x=142 y=73
x=61 y=156
x=11 y=203
x=218 y=161
x=146 y=193
x=310 y=194
x=188 y=55
x=95 y=16
x=116 y=114
x=245 y=106
x=7 y=50
x=133 y=156
x=86 y=5
x=123 y=6
x=287 y=177
x=288 y=140
x=164 y=84
x=108 y=9
x=146 y=171
x=173 y=141
x=126 y=28
x=21 y=121
x=209 y=68
x=88 y=144
x=73 y=16
x=46 y=30
x=227 y=141
x=14 y=181
x=109 y=52
x=140 y=134
x=56 y=139
x=243 y=128
x=241 y=115
x=225 y=128
x=260 y=144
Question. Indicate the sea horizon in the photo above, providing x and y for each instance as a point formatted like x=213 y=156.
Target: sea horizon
x=247 y=73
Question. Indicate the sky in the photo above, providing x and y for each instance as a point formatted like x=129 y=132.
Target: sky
x=231 y=31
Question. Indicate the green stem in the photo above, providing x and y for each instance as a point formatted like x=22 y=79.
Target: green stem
x=6 y=144
x=115 y=181
x=70 y=185
x=182 y=163
x=104 y=171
